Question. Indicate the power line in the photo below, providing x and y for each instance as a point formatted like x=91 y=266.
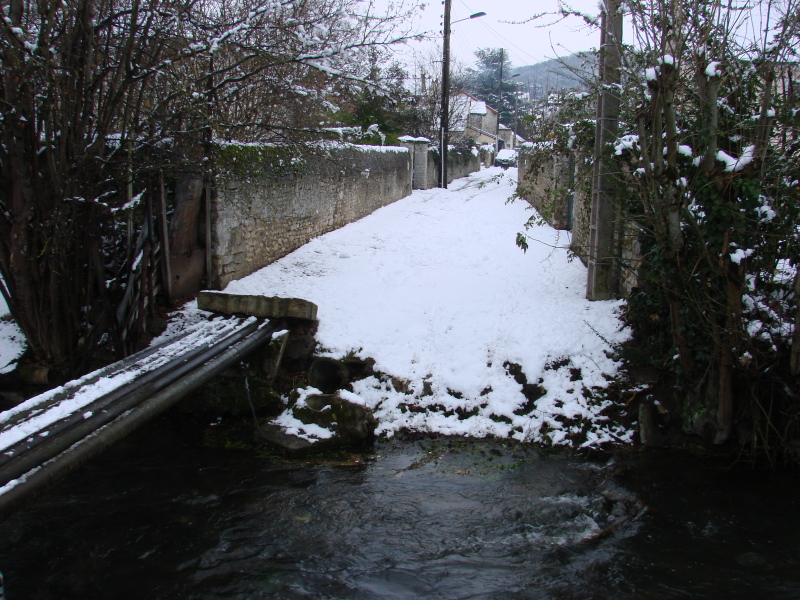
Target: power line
x=504 y=40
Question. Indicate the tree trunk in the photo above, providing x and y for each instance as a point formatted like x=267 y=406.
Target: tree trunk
x=728 y=343
x=795 y=360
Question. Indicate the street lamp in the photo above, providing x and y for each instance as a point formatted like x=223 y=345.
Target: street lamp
x=475 y=16
x=443 y=141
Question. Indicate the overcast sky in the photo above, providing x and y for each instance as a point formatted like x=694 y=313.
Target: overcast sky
x=526 y=44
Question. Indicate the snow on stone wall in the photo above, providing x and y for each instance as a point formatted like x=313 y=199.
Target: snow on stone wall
x=258 y=219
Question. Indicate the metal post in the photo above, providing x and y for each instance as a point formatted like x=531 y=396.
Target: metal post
x=445 y=97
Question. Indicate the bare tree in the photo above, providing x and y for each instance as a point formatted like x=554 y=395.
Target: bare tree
x=99 y=95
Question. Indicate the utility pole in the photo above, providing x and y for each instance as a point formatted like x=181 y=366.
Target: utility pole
x=499 y=102
x=514 y=133
x=445 y=97
x=602 y=255
x=445 y=122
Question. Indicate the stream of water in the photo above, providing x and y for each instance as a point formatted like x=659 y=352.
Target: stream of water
x=161 y=516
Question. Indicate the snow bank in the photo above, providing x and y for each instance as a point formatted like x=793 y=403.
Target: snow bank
x=12 y=345
x=12 y=341
x=3 y=305
x=434 y=289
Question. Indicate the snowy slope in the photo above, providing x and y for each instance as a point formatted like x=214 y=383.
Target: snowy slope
x=434 y=289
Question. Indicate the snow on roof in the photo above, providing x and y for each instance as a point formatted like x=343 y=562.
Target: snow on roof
x=477 y=107
x=411 y=138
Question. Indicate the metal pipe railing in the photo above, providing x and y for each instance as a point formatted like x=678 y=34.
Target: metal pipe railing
x=124 y=421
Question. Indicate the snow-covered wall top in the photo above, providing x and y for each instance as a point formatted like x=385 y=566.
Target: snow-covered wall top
x=268 y=202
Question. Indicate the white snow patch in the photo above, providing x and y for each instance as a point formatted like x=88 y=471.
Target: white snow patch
x=411 y=138
x=736 y=164
x=309 y=432
x=12 y=345
x=626 y=142
x=766 y=213
x=713 y=69
x=738 y=255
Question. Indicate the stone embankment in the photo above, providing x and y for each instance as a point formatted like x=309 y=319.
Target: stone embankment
x=310 y=422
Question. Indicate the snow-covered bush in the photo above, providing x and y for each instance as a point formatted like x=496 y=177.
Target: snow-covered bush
x=709 y=160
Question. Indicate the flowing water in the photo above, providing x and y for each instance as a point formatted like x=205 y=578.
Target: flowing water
x=160 y=516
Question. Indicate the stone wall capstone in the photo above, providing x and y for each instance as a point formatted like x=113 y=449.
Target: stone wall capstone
x=260 y=215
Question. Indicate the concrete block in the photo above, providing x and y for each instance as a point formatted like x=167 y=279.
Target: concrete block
x=257 y=306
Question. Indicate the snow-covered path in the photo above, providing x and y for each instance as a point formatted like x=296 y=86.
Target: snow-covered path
x=435 y=290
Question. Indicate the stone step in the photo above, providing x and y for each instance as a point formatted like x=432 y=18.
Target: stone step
x=269 y=307
x=292 y=445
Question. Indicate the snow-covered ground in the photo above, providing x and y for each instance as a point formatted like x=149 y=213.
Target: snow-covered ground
x=12 y=342
x=435 y=290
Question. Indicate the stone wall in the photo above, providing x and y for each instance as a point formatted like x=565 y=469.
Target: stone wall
x=631 y=253
x=559 y=188
x=266 y=206
x=582 y=209
x=460 y=162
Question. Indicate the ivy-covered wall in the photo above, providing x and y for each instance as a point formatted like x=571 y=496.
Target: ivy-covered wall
x=268 y=203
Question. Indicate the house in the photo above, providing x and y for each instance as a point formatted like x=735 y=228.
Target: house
x=510 y=138
x=474 y=119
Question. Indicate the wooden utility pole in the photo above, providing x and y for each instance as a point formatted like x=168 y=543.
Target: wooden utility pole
x=499 y=101
x=601 y=284
x=445 y=96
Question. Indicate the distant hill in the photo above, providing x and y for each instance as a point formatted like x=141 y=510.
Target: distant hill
x=553 y=74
